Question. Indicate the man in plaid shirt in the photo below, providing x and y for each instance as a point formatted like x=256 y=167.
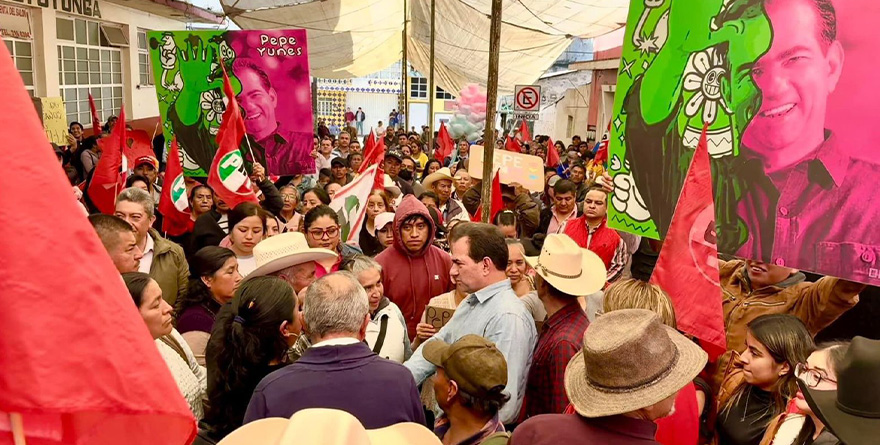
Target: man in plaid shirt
x=563 y=271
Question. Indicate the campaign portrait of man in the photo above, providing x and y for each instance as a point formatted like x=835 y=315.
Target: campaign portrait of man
x=763 y=75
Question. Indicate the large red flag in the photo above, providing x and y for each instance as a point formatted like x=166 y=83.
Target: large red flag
x=374 y=152
x=497 y=201
x=445 y=144
x=687 y=268
x=108 y=178
x=552 y=154
x=524 y=131
x=104 y=382
x=174 y=204
x=512 y=145
x=228 y=177
x=602 y=149
x=96 y=121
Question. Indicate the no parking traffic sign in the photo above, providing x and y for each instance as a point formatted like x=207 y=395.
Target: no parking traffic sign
x=527 y=99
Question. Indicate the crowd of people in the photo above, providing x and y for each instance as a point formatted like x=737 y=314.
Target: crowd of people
x=556 y=337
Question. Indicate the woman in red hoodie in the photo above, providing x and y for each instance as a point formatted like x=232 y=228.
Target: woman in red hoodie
x=415 y=269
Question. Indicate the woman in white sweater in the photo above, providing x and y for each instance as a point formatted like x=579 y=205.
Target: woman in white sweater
x=191 y=378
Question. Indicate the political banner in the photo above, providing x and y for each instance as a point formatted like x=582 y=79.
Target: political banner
x=781 y=85
x=269 y=71
x=350 y=203
x=54 y=118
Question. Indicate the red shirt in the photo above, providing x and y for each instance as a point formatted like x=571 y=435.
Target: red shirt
x=562 y=336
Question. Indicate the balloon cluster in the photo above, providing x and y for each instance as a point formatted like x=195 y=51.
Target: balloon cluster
x=469 y=118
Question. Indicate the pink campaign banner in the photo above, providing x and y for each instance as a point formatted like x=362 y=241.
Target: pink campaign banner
x=787 y=90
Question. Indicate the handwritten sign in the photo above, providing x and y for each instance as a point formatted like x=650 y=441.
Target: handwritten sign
x=51 y=112
x=527 y=170
x=437 y=316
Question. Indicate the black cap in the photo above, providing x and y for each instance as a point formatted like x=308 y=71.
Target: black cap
x=339 y=161
x=394 y=154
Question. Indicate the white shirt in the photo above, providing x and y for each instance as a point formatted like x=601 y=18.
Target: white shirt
x=223 y=222
x=246 y=265
x=341 y=341
x=147 y=260
x=321 y=162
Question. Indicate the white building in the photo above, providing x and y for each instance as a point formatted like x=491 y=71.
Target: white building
x=70 y=48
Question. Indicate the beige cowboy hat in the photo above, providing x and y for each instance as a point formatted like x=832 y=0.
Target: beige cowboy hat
x=630 y=360
x=284 y=250
x=443 y=174
x=390 y=186
x=567 y=267
x=323 y=426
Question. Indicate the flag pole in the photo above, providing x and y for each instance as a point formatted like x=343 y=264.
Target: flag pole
x=250 y=149
x=491 y=98
x=17 y=424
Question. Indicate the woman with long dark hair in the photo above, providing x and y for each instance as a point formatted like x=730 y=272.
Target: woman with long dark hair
x=321 y=226
x=313 y=198
x=250 y=340
x=432 y=166
x=190 y=377
x=762 y=381
x=213 y=280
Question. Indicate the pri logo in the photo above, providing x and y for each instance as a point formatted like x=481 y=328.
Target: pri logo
x=703 y=244
x=232 y=174
x=178 y=193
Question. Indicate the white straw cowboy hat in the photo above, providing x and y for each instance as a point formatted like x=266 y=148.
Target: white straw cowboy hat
x=567 y=267
x=442 y=174
x=630 y=361
x=390 y=186
x=284 y=250
x=322 y=426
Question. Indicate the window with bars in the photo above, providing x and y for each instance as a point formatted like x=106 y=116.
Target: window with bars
x=144 y=65
x=418 y=87
x=325 y=107
x=22 y=56
x=88 y=63
x=440 y=94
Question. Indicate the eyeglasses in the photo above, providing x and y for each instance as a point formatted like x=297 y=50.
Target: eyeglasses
x=810 y=377
x=290 y=196
x=318 y=234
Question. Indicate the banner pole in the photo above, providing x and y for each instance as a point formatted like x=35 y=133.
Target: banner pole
x=491 y=99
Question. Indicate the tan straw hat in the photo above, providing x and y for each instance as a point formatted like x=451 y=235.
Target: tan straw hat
x=322 y=426
x=284 y=250
x=630 y=361
x=443 y=174
x=567 y=267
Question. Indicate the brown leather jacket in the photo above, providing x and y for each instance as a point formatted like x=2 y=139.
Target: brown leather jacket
x=816 y=304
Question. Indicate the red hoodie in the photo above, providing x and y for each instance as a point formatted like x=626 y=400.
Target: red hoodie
x=412 y=279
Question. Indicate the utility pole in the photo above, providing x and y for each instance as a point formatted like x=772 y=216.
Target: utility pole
x=430 y=141
x=491 y=99
x=403 y=75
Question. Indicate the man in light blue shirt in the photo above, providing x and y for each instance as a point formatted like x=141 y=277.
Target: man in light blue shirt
x=492 y=310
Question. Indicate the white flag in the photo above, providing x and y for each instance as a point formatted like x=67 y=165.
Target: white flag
x=350 y=203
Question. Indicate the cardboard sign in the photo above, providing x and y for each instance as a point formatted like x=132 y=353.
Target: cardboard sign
x=527 y=170
x=51 y=112
x=438 y=317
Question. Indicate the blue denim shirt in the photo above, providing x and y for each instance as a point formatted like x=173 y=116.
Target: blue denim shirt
x=496 y=314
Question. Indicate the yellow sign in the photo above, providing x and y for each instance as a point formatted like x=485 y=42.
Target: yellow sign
x=51 y=111
x=527 y=170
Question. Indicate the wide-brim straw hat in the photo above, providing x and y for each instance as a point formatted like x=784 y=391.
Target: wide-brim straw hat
x=442 y=174
x=390 y=186
x=567 y=267
x=285 y=250
x=630 y=361
x=322 y=426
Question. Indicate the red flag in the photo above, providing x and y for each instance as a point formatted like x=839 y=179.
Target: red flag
x=108 y=178
x=374 y=152
x=524 y=131
x=602 y=150
x=687 y=268
x=91 y=387
x=445 y=144
x=552 y=154
x=96 y=121
x=512 y=145
x=227 y=176
x=497 y=200
x=174 y=205
x=137 y=145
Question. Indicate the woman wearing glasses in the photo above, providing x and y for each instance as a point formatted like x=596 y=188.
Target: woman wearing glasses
x=761 y=382
x=804 y=427
x=289 y=216
x=321 y=226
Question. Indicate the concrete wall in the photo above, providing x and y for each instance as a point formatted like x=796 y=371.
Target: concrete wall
x=572 y=92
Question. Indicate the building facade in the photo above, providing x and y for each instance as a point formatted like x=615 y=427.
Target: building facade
x=73 y=48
